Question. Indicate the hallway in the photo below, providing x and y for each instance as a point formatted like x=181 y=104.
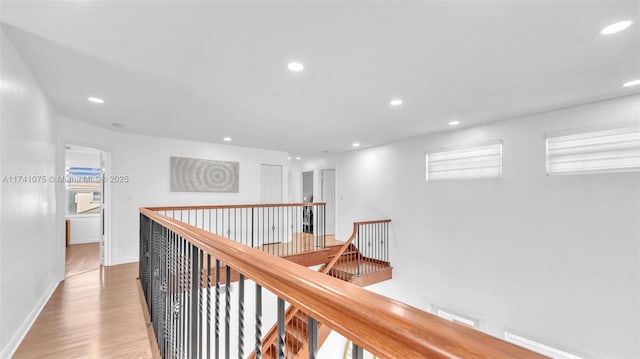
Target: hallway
x=96 y=314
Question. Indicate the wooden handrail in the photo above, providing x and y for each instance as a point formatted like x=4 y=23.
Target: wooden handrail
x=371 y=222
x=383 y=326
x=226 y=206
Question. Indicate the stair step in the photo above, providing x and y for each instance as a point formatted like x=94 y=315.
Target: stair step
x=299 y=320
x=297 y=328
x=294 y=342
x=343 y=254
x=290 y=351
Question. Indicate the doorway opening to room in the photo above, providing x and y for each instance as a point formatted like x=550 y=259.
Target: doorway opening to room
x=85 y=207
x=307 y=197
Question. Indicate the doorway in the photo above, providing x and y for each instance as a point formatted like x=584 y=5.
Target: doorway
x=307 y=197
x=328 y=177
x=85 y=208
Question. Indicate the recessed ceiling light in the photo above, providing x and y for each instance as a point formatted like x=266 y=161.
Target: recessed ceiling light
x=95 y=100
x=617 y=27
x=395 y=102
x=227 y=139
x=295 y=66
x=298 y=158
x=632 y=83
x=454 y=123
x=355 y=144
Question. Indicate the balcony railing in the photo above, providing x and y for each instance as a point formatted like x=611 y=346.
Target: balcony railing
x=199 y=310
x=281 y=229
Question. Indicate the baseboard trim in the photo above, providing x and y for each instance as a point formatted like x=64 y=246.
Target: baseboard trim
x=125 y=261
x=10 y=349
x=84 y=240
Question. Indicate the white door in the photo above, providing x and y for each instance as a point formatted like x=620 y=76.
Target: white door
x=329 y=197
x=271 y=184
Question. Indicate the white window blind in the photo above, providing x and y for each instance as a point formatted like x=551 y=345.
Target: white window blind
x=456 y=318
x=479 y=161
x=611 y=150
x=538 y=347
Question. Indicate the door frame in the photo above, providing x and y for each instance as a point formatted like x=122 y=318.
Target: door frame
x=106 y=242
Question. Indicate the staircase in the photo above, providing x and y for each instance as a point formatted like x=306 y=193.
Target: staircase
x=295 y=338
x=347 y=263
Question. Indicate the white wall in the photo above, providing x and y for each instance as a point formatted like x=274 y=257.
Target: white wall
x=84 y=229
x=146 y=161
x=31 y=241
x=554 y=257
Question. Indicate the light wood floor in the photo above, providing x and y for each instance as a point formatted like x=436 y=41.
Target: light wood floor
x=81 y=258
x=300 y=243
x=96 y=314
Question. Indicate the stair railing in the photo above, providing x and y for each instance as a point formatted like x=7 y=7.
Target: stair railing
x=191 y=320
x=281 y=229
x=366 y=251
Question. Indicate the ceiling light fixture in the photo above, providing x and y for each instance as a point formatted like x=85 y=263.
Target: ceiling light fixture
x=454 y=123
x=395 y=102
x=295 y=66
x=617 y=27
x=632 y=83
x=227 y=139
x=355 y=144
x=95 y=100
x=298 y=158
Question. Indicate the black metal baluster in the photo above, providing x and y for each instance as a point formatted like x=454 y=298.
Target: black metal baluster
x=181 y=288
x=193 y=300
x=197 y=284
x=258 y=334
x=280 y=333
x=241 y=316
x=356 y=351
x=228 y=234
x=209 y=300
x=252 y=229
x=227 y=310
x=217 y=317
x=312 y=337
x=360 y=250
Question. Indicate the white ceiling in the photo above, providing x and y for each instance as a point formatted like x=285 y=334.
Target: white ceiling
x=204 y=70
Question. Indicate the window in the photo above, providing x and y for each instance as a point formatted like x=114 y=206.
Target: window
x=456 y=318
x=538 y=347
x=83 y=187
x=478 y=161
x=610 y=150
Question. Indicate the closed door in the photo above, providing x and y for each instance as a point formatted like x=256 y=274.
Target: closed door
x=271 y=184
x=329 y=197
